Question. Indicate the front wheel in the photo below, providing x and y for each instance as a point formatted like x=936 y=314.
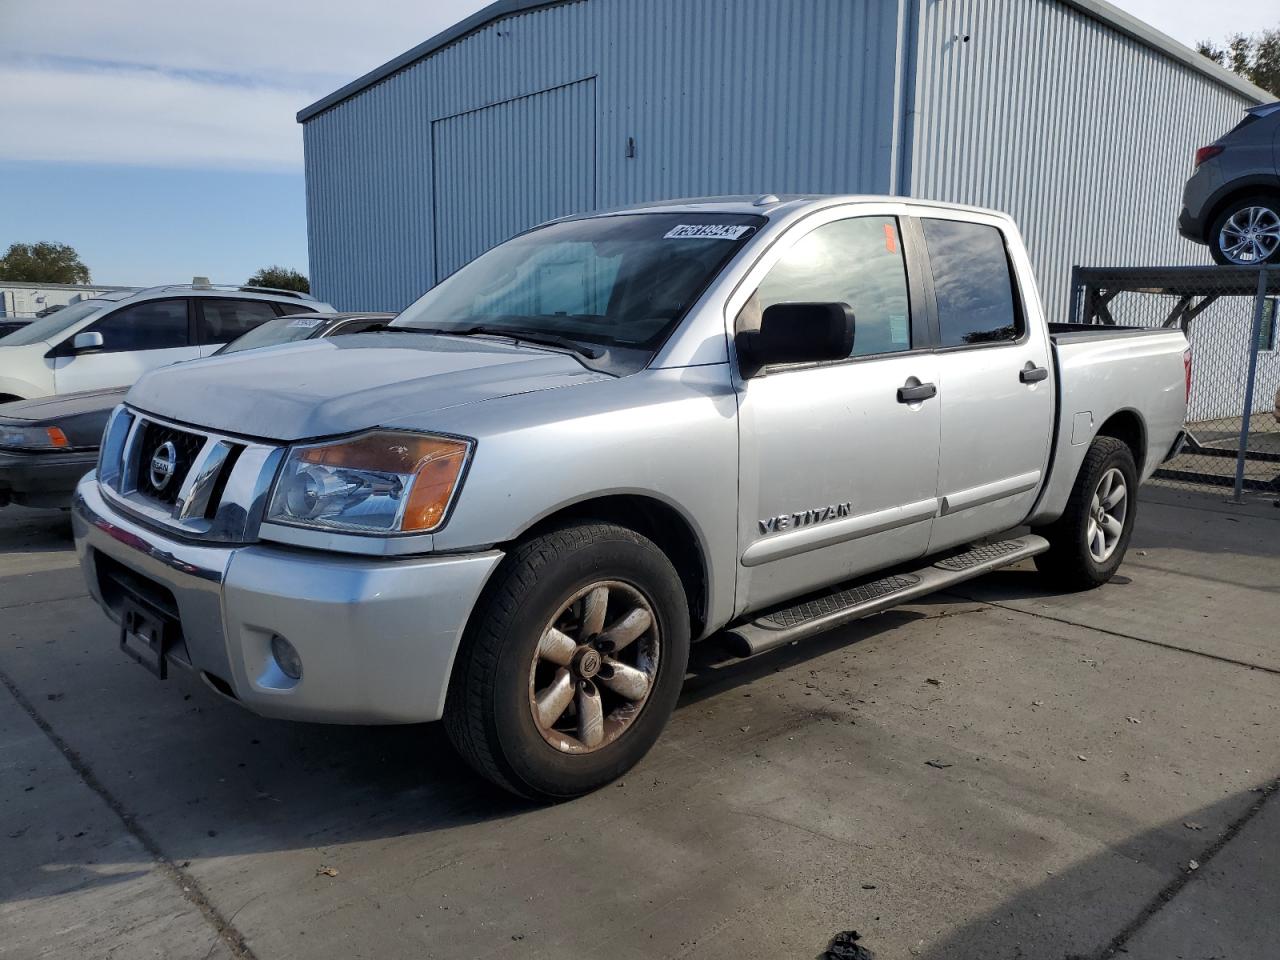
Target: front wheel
x=1088 y=542
x=572 y=663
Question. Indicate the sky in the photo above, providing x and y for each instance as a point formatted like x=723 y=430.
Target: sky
x=158 y=137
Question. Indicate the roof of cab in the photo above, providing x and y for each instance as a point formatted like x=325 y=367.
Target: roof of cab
x=775 y=205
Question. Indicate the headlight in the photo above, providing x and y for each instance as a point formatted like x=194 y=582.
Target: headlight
x=381 y=482
x=33 y=438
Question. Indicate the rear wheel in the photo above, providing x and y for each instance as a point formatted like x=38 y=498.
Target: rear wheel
x=1247 y=232
x=572 y=663
x=1088 y=542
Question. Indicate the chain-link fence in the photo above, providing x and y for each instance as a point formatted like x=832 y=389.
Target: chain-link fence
x=1230 y=316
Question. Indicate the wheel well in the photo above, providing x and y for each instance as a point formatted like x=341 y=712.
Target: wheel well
x=1247 y=190
x=9 y=398
x=659 y=522
x=1127 y=427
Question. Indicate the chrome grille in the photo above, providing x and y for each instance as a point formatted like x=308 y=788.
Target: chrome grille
x=204 y=485
x=154 y=438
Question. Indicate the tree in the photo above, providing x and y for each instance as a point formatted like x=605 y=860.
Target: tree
x=282 y=278
x=1256 y=57
x=43 y=262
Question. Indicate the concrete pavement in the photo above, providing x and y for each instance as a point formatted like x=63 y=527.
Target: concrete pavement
x=995 y=773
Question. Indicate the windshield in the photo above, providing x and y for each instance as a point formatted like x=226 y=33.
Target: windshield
x=620 y=281
x=280 y=330
x=48 y=328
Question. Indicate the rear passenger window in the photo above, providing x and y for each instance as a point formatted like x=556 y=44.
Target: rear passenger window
x=856 y=261
x=151 y=325
x=224 y=320
x=972 y=283
x=288 y=308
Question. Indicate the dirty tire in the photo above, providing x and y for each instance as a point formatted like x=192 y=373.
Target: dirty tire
x=487 y=713
x=1068 y=563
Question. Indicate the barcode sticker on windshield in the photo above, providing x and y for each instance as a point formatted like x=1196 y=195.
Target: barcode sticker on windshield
x=306 y=322
x=708 y=231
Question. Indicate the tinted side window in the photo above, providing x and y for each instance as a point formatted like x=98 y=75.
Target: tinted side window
x=224 y=320
x=972 y=283
x=858 y=262
x=288 y=308
x=152 y=325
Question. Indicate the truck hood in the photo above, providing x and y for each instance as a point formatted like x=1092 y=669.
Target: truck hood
x=319 y=388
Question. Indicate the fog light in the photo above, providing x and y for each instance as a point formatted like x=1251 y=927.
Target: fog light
x=286 y=656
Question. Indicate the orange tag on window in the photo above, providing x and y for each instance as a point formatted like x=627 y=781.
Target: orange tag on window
x=890 y=238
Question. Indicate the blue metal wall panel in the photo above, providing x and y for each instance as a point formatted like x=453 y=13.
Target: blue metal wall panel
x=719 y=96
x=1082 y=133
x=535 y=152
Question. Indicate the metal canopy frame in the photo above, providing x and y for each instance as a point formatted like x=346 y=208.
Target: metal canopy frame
x=1193 y=290
x=1196 y=289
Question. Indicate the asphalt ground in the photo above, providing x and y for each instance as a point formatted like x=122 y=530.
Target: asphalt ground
x=997 y=773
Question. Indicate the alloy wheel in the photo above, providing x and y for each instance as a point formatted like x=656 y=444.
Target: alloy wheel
x=1107 y=513
x=1251 y=235
x=596 y=664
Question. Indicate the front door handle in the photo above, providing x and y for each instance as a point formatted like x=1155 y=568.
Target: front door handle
x=914 y=394
x=1032 y=374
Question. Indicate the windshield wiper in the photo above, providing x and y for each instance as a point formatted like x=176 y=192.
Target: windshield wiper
x=537 y=337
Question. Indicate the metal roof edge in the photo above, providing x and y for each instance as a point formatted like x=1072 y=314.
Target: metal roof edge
x=1149 y=36
x=1099 y=10
x=478 y=20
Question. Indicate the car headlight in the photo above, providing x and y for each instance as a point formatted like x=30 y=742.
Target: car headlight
x=33 y=438
x=379 y=482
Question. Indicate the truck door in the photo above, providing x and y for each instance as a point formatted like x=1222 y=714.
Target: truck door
x=995 y=383
x=837 y=472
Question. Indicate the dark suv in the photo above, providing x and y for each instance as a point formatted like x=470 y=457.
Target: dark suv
x=1232 y=201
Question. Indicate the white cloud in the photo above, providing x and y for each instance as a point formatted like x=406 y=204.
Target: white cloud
x=147 y=118
x=1190 y=21
x=271 y=38
x=180 y=84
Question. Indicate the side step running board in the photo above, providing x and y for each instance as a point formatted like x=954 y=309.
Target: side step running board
x=778 y=627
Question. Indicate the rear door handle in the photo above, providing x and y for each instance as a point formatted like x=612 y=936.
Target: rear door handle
x=915 y=394
x=1033 y=374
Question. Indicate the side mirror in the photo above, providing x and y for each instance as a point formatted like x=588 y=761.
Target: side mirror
x=797 y=333
x=87 y=341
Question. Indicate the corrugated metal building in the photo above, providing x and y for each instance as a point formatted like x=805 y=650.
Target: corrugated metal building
x=1076 y=118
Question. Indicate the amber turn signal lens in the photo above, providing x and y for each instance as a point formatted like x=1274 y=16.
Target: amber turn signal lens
x=434 y=463
x=57 y=437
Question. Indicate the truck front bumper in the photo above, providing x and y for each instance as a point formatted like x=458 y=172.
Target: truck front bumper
x=376 y=638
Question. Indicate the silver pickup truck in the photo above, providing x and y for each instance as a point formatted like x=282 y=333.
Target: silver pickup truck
x=605 y=439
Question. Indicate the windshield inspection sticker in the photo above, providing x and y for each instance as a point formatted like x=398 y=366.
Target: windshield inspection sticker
x=306 y=322
x=708 y=231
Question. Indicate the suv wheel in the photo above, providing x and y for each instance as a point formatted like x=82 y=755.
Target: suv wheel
x=572 y=663
x=1088 y=542
x=1247 y=232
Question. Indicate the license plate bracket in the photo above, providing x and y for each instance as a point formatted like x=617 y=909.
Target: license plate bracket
x=146 y=637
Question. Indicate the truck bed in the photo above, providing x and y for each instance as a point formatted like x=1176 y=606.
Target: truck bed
x=1135 y=373
x=1063 y=333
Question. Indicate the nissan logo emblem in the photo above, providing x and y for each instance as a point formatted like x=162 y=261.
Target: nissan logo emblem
x=164 y=464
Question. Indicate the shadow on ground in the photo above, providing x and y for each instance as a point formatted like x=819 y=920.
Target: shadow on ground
x=1010 y=930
